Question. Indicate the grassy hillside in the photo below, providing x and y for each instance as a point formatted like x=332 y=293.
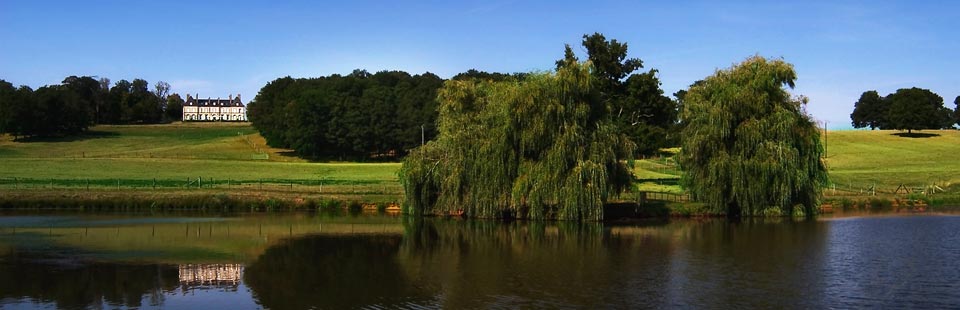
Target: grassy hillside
x=172 y=154
x=859 y=158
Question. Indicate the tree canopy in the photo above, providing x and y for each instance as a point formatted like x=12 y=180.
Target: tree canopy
x=956 y=110
x=748 y=146
x=78 y=102
x=870 y=111
x=907 y=109
x=640 y=108
x=543 y=147
x=359 y=116
x=917 y=109
x=52 y=110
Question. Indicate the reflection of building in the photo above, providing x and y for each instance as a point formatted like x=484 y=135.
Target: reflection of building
x=211 y=274
x=229 y=110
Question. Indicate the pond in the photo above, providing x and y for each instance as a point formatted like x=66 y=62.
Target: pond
x=80 y=260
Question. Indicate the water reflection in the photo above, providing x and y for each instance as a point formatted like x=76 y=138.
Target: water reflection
x=68 y=284
x=335 y=272
x=211 y=275
x=302 y=262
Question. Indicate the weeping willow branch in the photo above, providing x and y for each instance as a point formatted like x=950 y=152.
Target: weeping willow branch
x=540 y=148
x=747 y=145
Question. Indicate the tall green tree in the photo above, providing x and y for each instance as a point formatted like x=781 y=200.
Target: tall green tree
x=22 y=117
x=747 y=145
x=88 y=91
x=870 y=111
x=8 y=98
x=116 y=111
x=956 y=110
x=142 y=104
x=161 y=90
x=545 y=147
x=57 y=111
x=639 y=106
x=916 y=109
x=174 y=107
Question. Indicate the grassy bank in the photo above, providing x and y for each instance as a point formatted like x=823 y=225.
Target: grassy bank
x=119 y=163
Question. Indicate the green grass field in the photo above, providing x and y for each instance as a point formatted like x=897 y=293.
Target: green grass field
x=175 y=155
x=234 y=157
x=861 y=159
x=861 y=162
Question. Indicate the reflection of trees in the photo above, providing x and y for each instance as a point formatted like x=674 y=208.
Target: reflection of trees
x=760 y=263
x=530 y=264
x=330 y=272
x=76 y=285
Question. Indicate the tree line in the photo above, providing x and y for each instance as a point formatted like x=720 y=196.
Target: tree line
x=906 y=109
x=77 y=103
x=388 y=113
x=359 y=115
x=560 y=145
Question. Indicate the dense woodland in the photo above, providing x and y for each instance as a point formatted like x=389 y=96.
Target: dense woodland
x=907 y=109
x=79 y=102
x=354 y=116
x=386 y=114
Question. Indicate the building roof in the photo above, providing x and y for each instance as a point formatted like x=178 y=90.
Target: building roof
x=209 y=102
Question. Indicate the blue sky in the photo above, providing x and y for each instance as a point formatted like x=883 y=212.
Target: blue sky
x=218 y=48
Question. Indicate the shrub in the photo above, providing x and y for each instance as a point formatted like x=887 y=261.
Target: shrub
x=880 y=204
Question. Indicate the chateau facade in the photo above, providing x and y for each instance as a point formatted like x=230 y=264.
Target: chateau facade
x=216 y=110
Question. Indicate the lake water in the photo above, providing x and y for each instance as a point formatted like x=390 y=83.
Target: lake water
x=299 y=261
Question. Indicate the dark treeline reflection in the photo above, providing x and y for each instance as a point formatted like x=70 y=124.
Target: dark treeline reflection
x=484 y=264
x=530 y=264
x=769 y=263
x=332 y=272
x=70 y=284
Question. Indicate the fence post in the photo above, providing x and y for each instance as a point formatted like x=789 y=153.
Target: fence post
x=154 y=183
x=118 y=184
x=199 y=182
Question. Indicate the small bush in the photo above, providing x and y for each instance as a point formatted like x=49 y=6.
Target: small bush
x=355 y=206
x=688 y=209
x=311 y=204
x=846 y=204
x=880 y=204
x=331 y=204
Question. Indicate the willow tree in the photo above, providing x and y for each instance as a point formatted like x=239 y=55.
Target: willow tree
x=747 y=145
x=541 y=147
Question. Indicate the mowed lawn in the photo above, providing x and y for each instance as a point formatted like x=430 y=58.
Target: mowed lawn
x=223 y=151
x=234 y=151
x=861 y=158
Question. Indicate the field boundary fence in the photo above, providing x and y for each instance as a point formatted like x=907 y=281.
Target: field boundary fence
x=873 y=189
x=645 y=196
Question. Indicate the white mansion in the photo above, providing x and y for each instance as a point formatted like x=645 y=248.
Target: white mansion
x=230 y=110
